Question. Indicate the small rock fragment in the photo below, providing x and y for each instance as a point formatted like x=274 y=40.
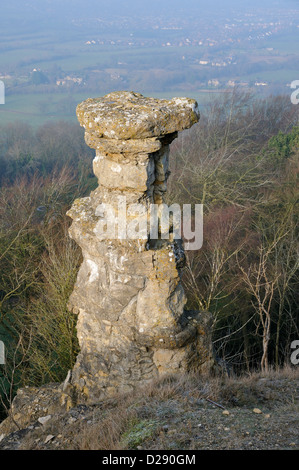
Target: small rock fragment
x=44 y=419
x=49 y=438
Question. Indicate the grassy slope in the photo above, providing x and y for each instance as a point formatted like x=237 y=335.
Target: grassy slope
x=174 y=414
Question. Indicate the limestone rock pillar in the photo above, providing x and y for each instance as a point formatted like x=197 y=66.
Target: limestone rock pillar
x=132 y=324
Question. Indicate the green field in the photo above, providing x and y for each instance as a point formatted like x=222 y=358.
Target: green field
x=36 y=108
x=78 y=57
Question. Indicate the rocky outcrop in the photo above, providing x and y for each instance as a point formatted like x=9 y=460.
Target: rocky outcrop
x=32 y=404
x=132 y=324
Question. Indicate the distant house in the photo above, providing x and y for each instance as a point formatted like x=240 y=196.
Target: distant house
x=68 y=79
x=219 y=64
x=261 y=84
x=214 y=82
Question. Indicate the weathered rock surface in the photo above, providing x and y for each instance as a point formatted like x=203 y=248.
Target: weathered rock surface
x=132 y=324
x=31 y=404
x=129 y=115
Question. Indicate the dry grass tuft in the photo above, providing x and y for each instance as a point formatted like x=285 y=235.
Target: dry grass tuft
x=106 y=434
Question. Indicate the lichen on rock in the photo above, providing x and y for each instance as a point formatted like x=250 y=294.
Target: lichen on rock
x=127 y=115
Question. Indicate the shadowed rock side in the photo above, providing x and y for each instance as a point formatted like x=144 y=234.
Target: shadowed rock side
x=132 y=326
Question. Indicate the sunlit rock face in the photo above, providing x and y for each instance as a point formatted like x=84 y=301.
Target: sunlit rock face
x=132 y=323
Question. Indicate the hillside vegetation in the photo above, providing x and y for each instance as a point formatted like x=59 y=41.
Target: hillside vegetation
x=240 y=162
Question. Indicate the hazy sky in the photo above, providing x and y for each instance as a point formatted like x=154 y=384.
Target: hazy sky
x=30 y=15
x=88 y=8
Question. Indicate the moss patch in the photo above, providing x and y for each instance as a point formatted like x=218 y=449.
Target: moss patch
x=138 y=432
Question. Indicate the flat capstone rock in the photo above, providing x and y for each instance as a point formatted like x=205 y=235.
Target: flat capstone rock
x=127 y=115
